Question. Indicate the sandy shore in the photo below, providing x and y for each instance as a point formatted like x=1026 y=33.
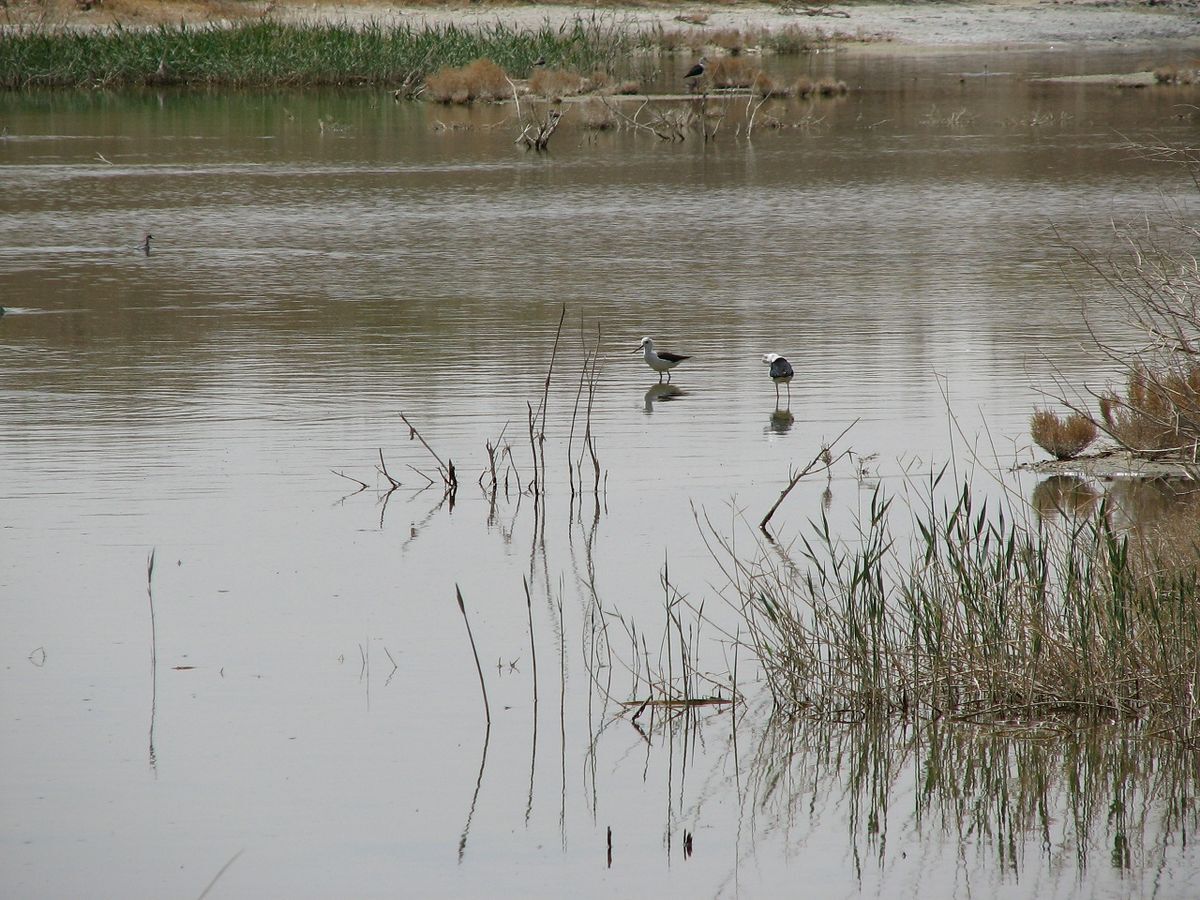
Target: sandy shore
x=1170 y=24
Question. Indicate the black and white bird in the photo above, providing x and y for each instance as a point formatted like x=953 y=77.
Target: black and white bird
x=781 y=373
x=695 y=73
x=144 y=246
x=660 y=361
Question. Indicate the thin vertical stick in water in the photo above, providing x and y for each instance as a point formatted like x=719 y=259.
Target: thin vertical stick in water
x=487 y=709
x=533 y=652
x=153 y=654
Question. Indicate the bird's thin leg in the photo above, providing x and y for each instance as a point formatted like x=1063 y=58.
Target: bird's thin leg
x=660 y=375
x=668 y=377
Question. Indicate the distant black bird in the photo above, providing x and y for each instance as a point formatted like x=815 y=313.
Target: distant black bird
x=540 y=61
x=781 y=373
x=693 y=75
x=144 y=246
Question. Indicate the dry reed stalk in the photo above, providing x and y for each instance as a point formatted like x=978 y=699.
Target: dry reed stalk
x=487 y=709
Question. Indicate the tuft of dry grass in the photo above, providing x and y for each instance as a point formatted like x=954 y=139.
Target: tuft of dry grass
x=478 y=80
x=1160 y=412
x=557 y=83
x=1063 y=437
x=1176 y=74
x=804 y=86
x=766 y=86
x=831 y=87
x=733 y=72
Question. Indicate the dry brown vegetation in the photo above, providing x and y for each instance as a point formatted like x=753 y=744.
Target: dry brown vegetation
x=735 y=41
x=547 y=82
x=732 y=72
x=1177 y=74
x=479 y=80
x=1064 y=437
x=831 y=87
x=1159 y=416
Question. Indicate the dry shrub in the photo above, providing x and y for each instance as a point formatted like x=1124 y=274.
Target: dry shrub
x=1176 y=75
x=1159 y=414
x=732 y=72
x=629 y=86
x=766 y=86
x=479 y=80
x=556 y=83
x=804 y=86
x=1063 y=438
x=829 y=87
x=731 y=39
x=595 y=115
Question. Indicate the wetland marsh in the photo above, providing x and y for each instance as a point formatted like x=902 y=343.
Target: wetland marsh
x=325 y=260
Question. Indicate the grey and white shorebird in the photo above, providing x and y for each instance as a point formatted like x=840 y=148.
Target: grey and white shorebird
x=781 y=373
x=660 y=361
x=693 y=75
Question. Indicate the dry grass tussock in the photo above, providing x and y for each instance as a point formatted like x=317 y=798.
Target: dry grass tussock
x=558 y=83
x=479 y=80
x=1063 y=437
x=547 y=82
x=1159 y=415
x=1177 y=74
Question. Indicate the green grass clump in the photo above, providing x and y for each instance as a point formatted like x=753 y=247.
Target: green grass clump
x=269 y=54
x=987 y=618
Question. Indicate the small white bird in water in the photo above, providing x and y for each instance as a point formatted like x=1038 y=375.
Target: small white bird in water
x=660 y=361
x=781 y=373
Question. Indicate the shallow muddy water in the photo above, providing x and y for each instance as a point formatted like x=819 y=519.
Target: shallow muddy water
x=322 y=262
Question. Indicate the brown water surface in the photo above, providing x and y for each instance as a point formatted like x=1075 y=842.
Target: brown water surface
x=322 y=261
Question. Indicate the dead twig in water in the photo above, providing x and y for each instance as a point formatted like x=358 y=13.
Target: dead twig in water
x=446 y=470
x=821 y=462
x=222 y=871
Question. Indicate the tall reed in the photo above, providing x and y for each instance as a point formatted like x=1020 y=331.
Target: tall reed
x=270 y=53
x=982 y=615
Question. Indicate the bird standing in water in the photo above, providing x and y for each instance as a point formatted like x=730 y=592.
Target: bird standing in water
x=693 y=75
x=781 y=373
x=660 y=361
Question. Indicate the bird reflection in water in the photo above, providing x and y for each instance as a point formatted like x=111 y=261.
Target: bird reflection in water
x=666 y=391
x=782 y=421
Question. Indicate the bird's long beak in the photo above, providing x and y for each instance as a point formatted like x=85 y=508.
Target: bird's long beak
x=638 y=348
